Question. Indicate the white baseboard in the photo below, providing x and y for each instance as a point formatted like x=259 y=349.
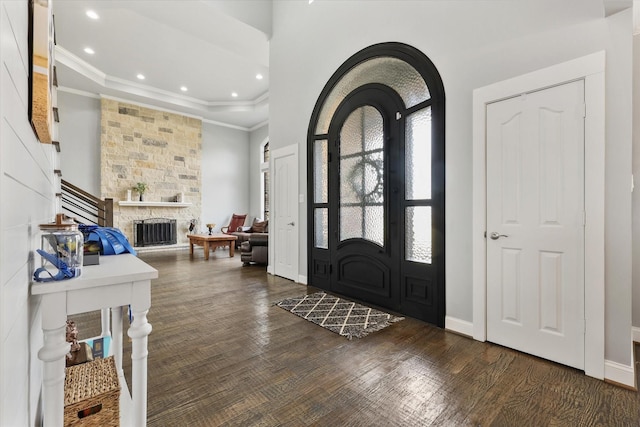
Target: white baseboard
x=270 y=269
x=613 y=371
x=619 y=373
x=302 y=279
x=458 y=326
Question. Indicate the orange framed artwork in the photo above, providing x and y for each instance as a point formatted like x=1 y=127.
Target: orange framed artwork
x=41 y=42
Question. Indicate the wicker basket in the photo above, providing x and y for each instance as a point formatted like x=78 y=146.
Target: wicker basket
x=92 y=394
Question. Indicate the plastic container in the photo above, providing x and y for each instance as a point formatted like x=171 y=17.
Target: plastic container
x=62 y=248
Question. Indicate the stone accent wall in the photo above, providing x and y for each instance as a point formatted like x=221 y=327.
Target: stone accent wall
x=161 y=149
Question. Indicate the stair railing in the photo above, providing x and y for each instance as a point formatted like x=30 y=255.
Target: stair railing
x=85 y=207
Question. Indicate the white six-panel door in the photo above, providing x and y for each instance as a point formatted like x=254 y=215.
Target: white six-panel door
x=284 y=226
x=535 y=211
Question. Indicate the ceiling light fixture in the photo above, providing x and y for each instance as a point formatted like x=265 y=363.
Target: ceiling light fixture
x=234 y=94
x=92 y=14
x=89 y=50
x=259 y=76
x=183 y=88
x=310 y=1
x=140 y=76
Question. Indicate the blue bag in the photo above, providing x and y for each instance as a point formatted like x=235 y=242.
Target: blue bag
x=112 y=240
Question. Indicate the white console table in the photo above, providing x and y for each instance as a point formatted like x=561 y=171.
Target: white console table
x=118 y=281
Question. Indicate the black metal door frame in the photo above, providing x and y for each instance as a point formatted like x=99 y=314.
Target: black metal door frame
x=415 y=287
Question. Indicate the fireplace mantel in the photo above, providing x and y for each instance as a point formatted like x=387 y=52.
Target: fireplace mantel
x=155 y=204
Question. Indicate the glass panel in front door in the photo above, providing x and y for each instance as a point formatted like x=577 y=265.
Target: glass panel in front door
x=418 y=155
x=362 y=176
x=321 y=171
x=418 y=234
x=321 y=230
x=418 y=221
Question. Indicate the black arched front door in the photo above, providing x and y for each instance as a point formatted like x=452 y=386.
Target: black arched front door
x=364 y=244
x=376 y=183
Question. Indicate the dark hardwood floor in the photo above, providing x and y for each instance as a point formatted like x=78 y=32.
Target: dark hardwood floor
x=221 y=354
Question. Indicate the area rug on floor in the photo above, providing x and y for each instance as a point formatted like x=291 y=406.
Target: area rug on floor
x=344 y=317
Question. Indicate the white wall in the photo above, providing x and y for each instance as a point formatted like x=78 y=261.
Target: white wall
x=256 y=140
x=618 y=169
x=636 y=193
x=225 y=174
x=472 y=44
x=79 y=132
x=27 y=200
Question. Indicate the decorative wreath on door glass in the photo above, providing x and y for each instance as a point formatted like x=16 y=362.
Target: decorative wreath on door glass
x=367 y=190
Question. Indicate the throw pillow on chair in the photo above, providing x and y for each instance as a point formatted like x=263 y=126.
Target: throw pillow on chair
x=259 y=226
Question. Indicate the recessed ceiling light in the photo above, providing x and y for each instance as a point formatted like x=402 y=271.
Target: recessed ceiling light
x=92 y=14
x=140 y=76
x=234 y=94
x=89 y=50
x=183 y=88
x=259 y=76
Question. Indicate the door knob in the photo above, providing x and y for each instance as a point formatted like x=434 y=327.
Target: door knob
x=495 y=235
x=292 y=223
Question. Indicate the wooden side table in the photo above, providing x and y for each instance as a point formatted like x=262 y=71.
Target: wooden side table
x=119 y=280
x=212 y=241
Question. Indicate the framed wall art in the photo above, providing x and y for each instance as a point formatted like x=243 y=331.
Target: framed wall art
x=41 y=42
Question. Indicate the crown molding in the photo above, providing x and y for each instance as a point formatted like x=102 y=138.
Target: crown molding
x=226 y=125
x=78 y=92
x=137 y=88
x=80 y=66
x=155 y=107
x=258 y=126
x=150 y=106
x=181 y=113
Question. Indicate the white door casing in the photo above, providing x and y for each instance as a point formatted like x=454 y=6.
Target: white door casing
x=590 y=69
x=535 y=211
x=284 y=227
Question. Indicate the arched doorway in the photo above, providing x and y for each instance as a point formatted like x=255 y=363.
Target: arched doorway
x=376 y=179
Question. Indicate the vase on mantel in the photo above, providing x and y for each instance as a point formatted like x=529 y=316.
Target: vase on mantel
x=141 y=197
x=141 y=188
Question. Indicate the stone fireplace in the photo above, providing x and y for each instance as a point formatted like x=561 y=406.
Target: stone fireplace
x=158 y=148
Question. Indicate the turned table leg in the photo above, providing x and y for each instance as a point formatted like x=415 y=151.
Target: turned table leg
x=52 y=354
x=139 y=332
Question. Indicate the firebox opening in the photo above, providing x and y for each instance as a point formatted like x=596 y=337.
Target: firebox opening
x=155 y=232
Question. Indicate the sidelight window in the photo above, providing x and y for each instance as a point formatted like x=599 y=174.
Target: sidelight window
x=264 y=172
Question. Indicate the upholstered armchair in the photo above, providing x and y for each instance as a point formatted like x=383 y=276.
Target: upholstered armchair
x=255 y=250
x=236 y=222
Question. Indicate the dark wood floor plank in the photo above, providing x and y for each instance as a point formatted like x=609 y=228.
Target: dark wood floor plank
x=221 y=354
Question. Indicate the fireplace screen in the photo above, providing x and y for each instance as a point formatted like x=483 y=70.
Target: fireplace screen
x=154 y=232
